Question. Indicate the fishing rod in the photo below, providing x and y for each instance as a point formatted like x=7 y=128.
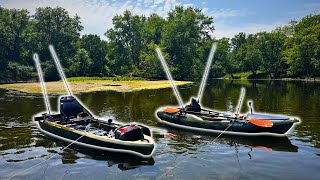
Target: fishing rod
x=206 y=72
x=57 y=62
x=166 y=69
x=240 y=101
x=43 y=88
x=62 y=75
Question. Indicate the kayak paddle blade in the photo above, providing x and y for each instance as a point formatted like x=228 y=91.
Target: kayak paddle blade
x=171 y=110
x=261 y=123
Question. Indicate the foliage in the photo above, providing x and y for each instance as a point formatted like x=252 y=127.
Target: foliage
x=183 y=36
x=127 y=42
x=271 y=45
x=302 y=53
x=81 y=63
x=96 y=49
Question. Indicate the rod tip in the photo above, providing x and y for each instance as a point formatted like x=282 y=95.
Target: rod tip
x=35 y=57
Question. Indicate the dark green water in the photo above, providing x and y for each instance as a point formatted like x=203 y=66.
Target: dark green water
x=296 y=156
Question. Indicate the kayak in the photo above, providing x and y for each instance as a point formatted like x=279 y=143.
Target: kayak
x=74 y=124
x=206 y=120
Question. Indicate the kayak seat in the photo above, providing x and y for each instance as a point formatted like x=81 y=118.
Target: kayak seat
x=70 y=107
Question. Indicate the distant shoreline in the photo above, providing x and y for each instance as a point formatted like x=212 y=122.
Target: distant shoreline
x=278 y=79
x=57 y=87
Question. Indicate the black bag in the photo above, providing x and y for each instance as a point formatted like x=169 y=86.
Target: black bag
x=130 y=132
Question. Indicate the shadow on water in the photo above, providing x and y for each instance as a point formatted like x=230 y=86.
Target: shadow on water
x=122 y=161
x=269 y=143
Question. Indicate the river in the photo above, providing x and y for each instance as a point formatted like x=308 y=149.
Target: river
x=294 y=156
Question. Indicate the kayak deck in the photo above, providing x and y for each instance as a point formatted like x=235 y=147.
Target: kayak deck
x=223 y=122
x=95 y=134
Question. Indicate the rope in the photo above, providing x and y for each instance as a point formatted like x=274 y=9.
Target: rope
x=191 y=154
x=47 y=159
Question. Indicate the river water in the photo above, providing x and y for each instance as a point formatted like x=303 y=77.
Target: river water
x=294 y=156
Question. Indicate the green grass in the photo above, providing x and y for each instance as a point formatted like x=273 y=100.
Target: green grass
x=90 y=84
x=82 y=79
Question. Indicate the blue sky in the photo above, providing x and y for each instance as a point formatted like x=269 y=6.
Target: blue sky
x=230 y=16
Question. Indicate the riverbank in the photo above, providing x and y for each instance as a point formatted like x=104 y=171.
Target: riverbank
x=90 y=85
x=263 y=76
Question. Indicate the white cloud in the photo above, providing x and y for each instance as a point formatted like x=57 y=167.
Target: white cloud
x=251 y=28
x=96 y=16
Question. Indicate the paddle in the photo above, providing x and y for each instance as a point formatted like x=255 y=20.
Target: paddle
x=261 y=123
x=261 y=147
x=171 y=110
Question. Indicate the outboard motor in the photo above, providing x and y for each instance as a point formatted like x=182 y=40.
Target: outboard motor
x=130 y=132
x=70 y=107
x=194 y=106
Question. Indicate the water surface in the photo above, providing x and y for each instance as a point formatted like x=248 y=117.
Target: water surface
x=295 y=156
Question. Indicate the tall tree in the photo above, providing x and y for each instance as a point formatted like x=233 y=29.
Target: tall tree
x=127 y=37
x=13 y=24
x=97 y=50
x=238 y=40
x=55 y=26
x=153 y=29
x=81 y=63
x=237 y=55
x=181 y=36
x=271 y=46
x=221 y=57
x=303 y=52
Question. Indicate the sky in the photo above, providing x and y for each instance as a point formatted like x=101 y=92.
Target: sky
x=230 y=16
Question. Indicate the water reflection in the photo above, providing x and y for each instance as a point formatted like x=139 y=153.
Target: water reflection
x=195 y=139
x=22 y=145
x=122 y=161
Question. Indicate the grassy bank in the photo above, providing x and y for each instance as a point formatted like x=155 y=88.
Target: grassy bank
x=247 y=75
x=87 y=84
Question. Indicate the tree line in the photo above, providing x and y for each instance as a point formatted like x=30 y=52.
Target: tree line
x=292 y=50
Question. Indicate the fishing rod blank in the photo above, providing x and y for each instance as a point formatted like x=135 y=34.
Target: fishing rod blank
x=43 y=88
x=240 y=100
x=166 y=69
x=206 y=72
x=57 y=62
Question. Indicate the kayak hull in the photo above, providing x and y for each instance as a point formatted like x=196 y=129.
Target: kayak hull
x=92 y=141
x=239 y=126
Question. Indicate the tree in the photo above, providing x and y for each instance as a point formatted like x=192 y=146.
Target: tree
x=55 y=26
x=97 y=50
x=181 y=36
x=237 y=55
x=221 y=56
x=150 y=64
x=81 y=63
x=127 y=37
x=252 y=60
x=153 y=29
x=238 y=40
x=13 y=24
x=271 y=46
x=302 y=53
